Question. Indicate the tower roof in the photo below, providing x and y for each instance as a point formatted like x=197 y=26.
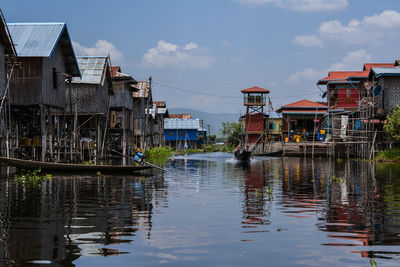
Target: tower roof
x=255 y=89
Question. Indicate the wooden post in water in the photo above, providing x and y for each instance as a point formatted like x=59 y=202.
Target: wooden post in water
x=123 y=138
x=43 y=131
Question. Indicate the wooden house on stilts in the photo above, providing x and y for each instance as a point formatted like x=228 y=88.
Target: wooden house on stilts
x=88 y=106
x=38 y=88
x=143 y=101
x=121 y=130
x=7 y=64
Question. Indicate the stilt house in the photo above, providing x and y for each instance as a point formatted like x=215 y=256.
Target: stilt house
x=142 y=101
x=88 y=105
x=122 y=114
x=161 y=112
x=7 y=64
x=38 y=87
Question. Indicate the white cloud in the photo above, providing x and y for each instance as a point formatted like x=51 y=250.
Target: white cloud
x=352 y=61
x=180 y=57
x=101 y=48
x=308 y=74
x=302 y=5
x=227 y=43
x=375 y=29
x=307 y=41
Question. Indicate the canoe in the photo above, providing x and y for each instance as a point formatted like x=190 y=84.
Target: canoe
x=244 y=156
x=66 y=167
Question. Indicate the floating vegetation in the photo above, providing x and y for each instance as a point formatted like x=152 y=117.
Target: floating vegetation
x=337 y=180
x=32 y=178
x=373 y=263
x=88 y=163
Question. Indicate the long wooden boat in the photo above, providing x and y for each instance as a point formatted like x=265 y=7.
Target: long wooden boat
x=66 y=167
x=244 y=156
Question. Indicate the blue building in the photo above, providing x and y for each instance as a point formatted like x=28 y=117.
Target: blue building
x=183 y=133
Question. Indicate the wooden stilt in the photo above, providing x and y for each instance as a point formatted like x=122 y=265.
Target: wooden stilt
x=43 y=131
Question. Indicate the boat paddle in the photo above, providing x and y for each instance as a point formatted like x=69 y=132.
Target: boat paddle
x=145 y=162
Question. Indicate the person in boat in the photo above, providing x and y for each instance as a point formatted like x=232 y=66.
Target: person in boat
x=139 y=156
x=237 y=151
x=247 y=148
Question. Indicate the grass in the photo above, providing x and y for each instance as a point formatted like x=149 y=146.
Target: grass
x=388 y=155
x=32 y=178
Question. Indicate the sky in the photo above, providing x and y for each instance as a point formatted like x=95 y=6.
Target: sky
x=201 y=53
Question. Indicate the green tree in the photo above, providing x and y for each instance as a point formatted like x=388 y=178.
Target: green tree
x=392 y=124
x=213 y=137
x=232 y=131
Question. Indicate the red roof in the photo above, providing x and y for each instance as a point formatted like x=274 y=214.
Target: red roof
x=369 y=66
x=305 y=104
x=159 y=104
x=344 y=75
x=114 y=70
x=255 y=89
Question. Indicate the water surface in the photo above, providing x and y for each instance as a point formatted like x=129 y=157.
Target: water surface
x=208 y=209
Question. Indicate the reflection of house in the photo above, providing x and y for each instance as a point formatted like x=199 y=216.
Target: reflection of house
x=121 y=113
x=183 y=133
x=387 y=90
x=88 y=102
x=38 y=87
x=300 y=117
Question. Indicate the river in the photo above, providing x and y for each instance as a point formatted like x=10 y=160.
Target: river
x=208 y=210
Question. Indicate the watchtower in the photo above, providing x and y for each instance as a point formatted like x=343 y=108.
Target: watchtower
x=254 y=99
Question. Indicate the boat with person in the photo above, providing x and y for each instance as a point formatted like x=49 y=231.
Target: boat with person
x=243 y=155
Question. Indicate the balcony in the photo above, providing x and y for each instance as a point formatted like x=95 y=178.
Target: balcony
x=254 y=100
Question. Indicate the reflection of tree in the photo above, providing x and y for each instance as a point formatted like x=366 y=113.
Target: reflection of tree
x=69 y=217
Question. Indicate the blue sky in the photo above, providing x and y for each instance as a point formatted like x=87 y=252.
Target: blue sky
x=218 y=47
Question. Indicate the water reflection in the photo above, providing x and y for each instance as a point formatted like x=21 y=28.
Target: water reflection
x=75 y=216
x=313 y=212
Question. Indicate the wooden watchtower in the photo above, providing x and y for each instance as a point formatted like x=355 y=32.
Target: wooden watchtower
x=254 y=99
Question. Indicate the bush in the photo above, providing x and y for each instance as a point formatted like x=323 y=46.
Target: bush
x=388 y=155
x=159 y=152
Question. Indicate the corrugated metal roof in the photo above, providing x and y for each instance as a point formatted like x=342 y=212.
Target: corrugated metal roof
x=170 y=124
x=144 y=88
x=5 y=36
x=92 y=69
x=386 y=71
x=41 y=39
x=35 y=39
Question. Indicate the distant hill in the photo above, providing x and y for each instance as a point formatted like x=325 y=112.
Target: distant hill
x=214 y=119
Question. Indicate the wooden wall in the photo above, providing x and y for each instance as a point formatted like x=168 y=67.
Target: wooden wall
x=54 y=96
x=26 y=82
x=122 y=96
x=2 y=70
x=32 y=83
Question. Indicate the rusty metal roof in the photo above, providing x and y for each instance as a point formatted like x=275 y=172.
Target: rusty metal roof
x=144 y=89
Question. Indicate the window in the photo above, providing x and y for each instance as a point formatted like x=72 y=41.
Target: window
x=171 y=133
x=55 y=82
x=180 y=132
